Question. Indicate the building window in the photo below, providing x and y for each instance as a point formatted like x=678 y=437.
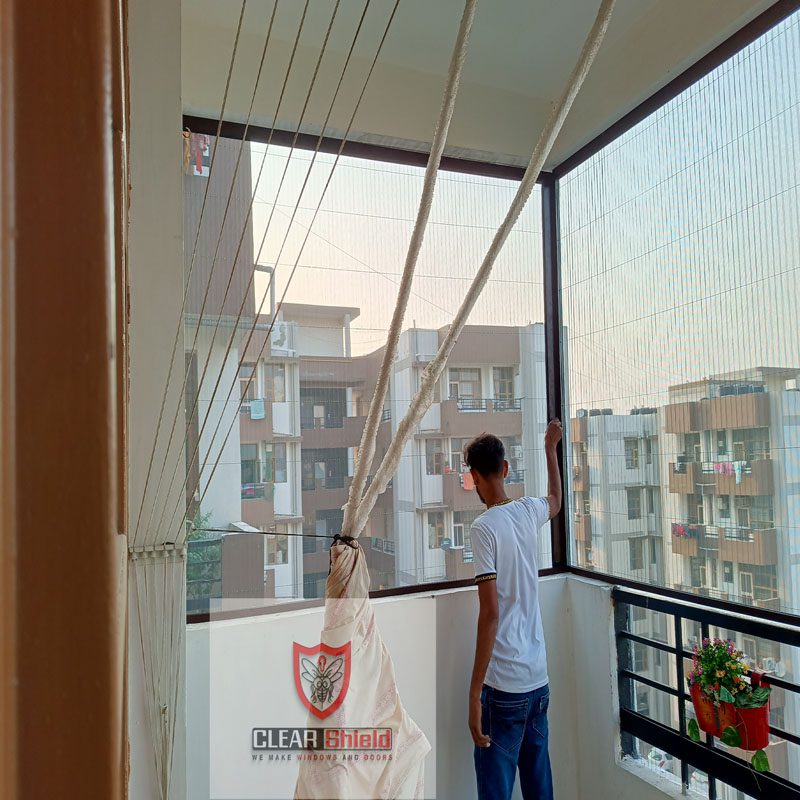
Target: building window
x=727 y=571
x=654 y=551
x=277 y=546
x=434 y=457
x=457 y=455
x=247 y=382
x=696 y=512
x=465 y=384
x=724 y=506
x=503 y=384
x=250 y=464
x=275 y=382
x=650 y=495
x=722 y=443
x=648 y=451
x=712 y=568
x=634 y=503
x=755 y=513
x=631 y=453
x=636 y=553
x=275 y=462
x=309 y=537
x=462 y=523
x=435 y=521
x=323 y=468
x=697 y=567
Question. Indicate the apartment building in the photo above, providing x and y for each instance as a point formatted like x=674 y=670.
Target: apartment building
x=494 y=381
x=616 y=492
x=617 y=519
x=732 y=495
x=301 y=426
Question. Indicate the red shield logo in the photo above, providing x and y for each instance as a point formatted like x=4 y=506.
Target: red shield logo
x=321 y=676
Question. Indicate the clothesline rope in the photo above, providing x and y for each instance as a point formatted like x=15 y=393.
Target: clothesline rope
x=366 y=450
x=358 y=509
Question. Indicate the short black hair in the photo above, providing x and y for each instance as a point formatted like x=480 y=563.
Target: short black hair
x=485 y=454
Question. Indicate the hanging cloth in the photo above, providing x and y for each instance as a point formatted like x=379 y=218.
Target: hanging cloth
x=372 y=699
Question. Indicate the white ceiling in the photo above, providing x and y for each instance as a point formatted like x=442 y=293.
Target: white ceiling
x=521 y=52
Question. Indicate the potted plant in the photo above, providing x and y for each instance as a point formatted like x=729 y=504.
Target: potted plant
x=730 y=702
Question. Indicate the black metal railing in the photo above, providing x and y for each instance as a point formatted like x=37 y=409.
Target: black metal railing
x=507 y=404
x=635 y=611
x=471 y=403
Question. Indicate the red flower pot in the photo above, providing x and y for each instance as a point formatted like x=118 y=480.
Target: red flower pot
x=711 y=719
x=752 y=723
x=753 y=727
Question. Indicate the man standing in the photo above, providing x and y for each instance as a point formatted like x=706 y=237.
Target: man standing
x=509 y=695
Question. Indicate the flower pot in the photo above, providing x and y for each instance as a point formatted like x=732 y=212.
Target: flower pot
x=753 y=727
x=751 y=723
x=711 y=719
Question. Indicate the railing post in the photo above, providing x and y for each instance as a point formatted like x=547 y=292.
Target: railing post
x=552 y=346
x=681 y=701
x=624 y=664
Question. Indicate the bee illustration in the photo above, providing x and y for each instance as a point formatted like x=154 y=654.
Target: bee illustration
x=323 y=678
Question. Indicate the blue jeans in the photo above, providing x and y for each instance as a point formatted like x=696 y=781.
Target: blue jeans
x=517 y=726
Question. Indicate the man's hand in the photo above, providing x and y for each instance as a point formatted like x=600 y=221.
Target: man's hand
x=552 y=436
x=475 y=727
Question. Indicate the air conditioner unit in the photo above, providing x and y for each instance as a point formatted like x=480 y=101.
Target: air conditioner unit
x=516 y=451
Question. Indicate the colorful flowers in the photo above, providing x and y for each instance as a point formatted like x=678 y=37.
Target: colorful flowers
x=718 y=667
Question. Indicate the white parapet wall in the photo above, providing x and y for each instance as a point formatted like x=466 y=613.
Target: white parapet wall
x=239 y=676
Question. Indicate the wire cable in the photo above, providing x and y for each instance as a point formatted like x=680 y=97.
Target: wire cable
x=191 y=267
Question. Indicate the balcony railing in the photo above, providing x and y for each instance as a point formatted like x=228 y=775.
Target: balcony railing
x=471 y=403
x=507 y=404
x=688 y=623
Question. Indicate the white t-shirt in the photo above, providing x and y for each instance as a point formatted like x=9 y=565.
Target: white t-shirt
x=505 y=546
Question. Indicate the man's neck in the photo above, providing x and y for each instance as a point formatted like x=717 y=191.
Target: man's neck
x=496 y=495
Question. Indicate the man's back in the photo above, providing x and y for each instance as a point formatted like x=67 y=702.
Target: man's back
x=505 y=543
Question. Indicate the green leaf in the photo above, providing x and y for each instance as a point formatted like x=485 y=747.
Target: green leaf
x=730 y=736
x=693 y=729
x=725 y=695
x=760 y=761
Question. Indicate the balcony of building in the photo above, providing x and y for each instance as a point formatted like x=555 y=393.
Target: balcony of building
x=741 y=478
x=685 y=477
x=690 y=539
x=258 y=504
x=746 y=410
x=255 y=421
x=599 y=658
x=749 y=546
x=340 y=431
x=463 y=416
